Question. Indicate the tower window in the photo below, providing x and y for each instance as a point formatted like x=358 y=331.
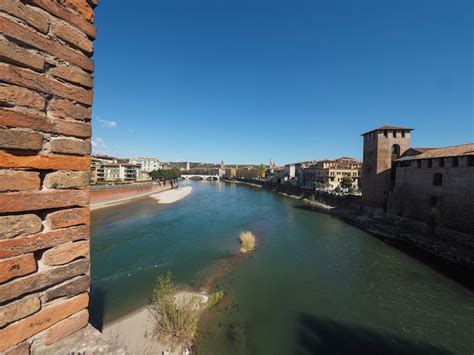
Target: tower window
x=441 y=162
x=470 y=160
x=394 y=134
x=454 y=162
x=429 y=163
x=395 y=151
x=437 y=179
x=385 y=133
x=403 y=133
x=418 y=163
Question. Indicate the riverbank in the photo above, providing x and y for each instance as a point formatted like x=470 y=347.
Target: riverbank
x=172 y=196
x=103 y=196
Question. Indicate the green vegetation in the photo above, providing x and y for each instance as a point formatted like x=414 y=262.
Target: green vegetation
x=317 y=185
x=262 y=170
x=169 y=174
x=247 y=242
x=346 y=182
x=176 y=322
x=337 y=189
x=214 y=299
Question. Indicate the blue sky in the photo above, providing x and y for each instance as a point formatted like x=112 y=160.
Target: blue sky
x=249 y=80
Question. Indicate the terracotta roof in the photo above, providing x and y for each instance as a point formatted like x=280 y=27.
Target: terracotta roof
x=385 y=127
x=422 y=150
x=453 y=151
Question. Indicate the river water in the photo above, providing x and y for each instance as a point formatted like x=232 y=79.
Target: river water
x=314 y=285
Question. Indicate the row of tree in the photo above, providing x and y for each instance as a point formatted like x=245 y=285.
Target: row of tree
x=169 y=174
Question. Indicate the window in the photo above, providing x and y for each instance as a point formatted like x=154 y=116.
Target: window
x=403 y=133
x=441 y=162
x=470 y=160
x=394 y=134
x=385 y=133
x=429 y=163
x=454 y=162
x=437 y=179
x=418 y=163
x=395 y=151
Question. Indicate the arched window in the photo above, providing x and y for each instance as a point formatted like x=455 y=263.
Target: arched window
x=437 y=179
x=395 y=151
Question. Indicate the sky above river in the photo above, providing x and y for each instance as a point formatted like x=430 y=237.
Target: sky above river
x=244 y=80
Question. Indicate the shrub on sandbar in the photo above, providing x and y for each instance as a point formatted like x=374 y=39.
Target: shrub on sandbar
x=247 y=241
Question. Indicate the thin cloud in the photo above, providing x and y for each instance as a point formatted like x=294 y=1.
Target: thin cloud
x=98 y=146
x=106 y=123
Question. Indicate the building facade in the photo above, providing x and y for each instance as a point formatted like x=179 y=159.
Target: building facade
x=148 y=164
x=330 y=173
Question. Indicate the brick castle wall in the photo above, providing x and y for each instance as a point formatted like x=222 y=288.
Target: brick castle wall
x=45 y=112
x=110 y=193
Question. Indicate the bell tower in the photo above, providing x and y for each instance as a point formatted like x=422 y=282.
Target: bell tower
x=381 y=147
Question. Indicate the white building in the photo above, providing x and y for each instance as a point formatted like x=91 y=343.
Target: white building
x=126 y=172
x=148 y=164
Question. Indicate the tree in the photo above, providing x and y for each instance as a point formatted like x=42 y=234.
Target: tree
x=317 y=185
x=346 y=182
x=262 y=170
x=169 y=174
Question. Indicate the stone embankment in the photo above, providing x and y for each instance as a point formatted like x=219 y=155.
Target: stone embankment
x=110 y=195
x=447 y=250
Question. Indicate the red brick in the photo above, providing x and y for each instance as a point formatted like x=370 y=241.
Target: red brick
x=69 y=146
x=30 y=15
x=68 y=288
x=20 y=56
x=82 y=7
x=16 y=225
x=38 y=200
x=67 y=179
x=72 y=74
x=48 y=162
x=68 y=15
x=48 y=316
x=11 y=180
x=32 y=80
x=19 y=266
x=43 y=279
x=49 y=45
x=60 y=108
x=15 y=95
x=67 y=327
x=65 y=253
x=73 y=36
x=17 y=139
x=39 y=241
x=20 y=349
x=67 y=218
x=17 y=119
x=22 y=308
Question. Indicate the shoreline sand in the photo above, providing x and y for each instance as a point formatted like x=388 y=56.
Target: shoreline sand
x=171 y=196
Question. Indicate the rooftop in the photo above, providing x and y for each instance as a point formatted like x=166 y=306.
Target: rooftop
x=388 y=128
x=453 y=151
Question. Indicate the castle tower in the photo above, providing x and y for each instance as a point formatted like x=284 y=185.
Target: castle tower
x=381 y=147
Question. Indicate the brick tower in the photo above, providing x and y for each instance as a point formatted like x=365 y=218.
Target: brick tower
x=381 y=147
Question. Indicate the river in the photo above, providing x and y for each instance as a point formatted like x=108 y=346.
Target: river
x=314 y=284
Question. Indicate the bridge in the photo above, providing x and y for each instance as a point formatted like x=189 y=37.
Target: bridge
x=200 y=177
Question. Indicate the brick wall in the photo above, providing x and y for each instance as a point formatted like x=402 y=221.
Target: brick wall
x=45 y=111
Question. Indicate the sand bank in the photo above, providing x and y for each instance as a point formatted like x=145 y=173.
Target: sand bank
x=172 y=196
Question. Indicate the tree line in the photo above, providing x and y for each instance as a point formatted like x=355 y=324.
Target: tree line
x=169 y=174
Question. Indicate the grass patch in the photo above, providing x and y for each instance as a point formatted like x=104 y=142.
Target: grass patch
x=247 y=242
x=214 y=299
x=175 y=322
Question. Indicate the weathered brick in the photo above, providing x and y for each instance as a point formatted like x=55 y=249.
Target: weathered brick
x=42 y=279
x=20 y=56
x=69 y=146
x=67 y=14
x=61 y=108
x=20 y=349
x=39 y=241
x=22 y=308
x=65 y=253
x=17 y=139
x=45 y=318
x=48 y=162
x=19 y=266
x=11 y=118
x=21 y=33
x=32 y=80
x=19 y=180
x=67 y=327
x=32 y=201
x=68 y=218
x=73 y=36
x=67 y=179
x=82 y=7
x=72 y=74
x=17 y=225
x=68 y=288
x=30 y=15
x=15 y=95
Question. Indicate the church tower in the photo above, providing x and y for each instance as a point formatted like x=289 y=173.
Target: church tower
x=381 y=147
